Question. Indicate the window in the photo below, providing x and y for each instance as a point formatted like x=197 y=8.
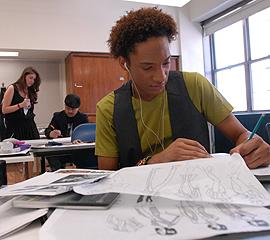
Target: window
x=241 y=62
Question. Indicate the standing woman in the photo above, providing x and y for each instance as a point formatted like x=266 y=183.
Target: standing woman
x=18 y=106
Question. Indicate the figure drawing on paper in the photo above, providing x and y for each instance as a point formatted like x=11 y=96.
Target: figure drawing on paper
x=216 y=190
x=235 y=212
x=214 y=218
x=242 y=188
x=124 y=225
x=205 y=181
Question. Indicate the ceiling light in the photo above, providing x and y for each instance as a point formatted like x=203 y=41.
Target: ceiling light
x=174 y=3
x=9 y=54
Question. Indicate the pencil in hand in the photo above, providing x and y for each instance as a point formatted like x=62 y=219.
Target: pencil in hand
x=256 y=126
x=55 y=129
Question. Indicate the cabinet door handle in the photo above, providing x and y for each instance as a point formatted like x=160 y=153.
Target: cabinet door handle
x=77 y=85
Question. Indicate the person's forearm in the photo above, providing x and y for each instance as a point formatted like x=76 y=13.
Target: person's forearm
x=155 y=159
x=242 y=137
x=108 y=163
x=11 y=109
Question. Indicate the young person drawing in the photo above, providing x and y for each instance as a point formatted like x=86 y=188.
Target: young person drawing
x=161 y=115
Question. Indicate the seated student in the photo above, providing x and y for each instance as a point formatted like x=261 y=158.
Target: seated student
x=62 y=125
x=161 y=115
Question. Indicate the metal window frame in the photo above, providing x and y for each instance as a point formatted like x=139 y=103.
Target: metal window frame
x=247 y=66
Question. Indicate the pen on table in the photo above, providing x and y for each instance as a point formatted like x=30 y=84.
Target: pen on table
x=256 y=126
x=55 y=129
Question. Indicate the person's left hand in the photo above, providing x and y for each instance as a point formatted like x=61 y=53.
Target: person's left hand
x=26 y=103
x=255 y=152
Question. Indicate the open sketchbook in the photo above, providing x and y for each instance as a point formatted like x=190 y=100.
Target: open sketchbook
x=69 y=200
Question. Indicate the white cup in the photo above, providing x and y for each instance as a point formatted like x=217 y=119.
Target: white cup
x=6 y=147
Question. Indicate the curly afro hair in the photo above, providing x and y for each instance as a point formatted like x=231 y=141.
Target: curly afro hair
x=138 y=26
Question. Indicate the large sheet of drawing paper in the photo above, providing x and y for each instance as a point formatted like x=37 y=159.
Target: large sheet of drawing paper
x=135 y=217
x=214 y=180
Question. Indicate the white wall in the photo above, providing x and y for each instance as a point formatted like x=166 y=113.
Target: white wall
x=82 y=25
x=68 y=25
x=199 y=10
x=191 y=45
x=50 y=98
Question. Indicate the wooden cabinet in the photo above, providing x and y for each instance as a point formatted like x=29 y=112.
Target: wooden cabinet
x=19 y=171
x=174 y=63
x=94 y=75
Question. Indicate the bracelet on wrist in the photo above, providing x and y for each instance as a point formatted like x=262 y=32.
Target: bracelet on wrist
x=144 y=161
x=18 y=106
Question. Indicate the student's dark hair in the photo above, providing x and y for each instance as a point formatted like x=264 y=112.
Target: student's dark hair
x=138 y=26
x=32 y=91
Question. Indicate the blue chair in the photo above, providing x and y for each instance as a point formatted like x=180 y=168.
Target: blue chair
x=267 y=128
x=85 y=132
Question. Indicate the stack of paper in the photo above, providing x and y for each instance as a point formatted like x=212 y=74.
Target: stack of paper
x=12 y=219
x=53 y=183
x=215 y=196
x=45 y=187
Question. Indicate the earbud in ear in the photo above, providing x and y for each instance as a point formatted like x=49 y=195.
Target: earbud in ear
x=125 y=64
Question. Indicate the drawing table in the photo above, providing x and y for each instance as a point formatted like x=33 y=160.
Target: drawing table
x=65 y=149
x=19 y=167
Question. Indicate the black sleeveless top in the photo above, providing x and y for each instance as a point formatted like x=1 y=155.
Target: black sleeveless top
x=19 y=125
x=186 y=120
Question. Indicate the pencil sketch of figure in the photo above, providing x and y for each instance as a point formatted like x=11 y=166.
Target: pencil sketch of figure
x=124 y=225
x=146 y=208
x=235 y=212
x=150 y=189
x=242 y=189
x=186 y=189
x=195 y=212
x=216 y=190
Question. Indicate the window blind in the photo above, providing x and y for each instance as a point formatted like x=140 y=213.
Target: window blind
x=234 y=14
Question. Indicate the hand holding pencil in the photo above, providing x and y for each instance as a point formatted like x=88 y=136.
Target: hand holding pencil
x=256 y=126
x=254 y=150
x=55 y=133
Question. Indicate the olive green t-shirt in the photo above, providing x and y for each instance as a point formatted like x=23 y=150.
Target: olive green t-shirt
x=153 y=119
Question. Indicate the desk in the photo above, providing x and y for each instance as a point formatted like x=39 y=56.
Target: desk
x=45 y=140
x=15 y=163
x=60 y=150
x=19 y=168
x=31 y=232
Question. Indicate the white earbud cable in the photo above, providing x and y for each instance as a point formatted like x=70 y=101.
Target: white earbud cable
x=163 y=111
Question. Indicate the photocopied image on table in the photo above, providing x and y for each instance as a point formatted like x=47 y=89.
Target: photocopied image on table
x=53 y=183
